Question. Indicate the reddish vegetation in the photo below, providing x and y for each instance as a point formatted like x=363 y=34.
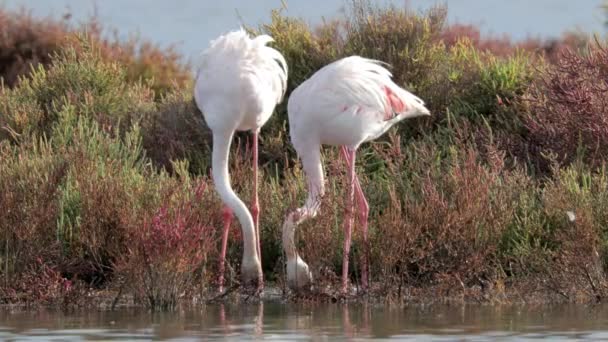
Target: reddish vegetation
x=503 y=46
x=568 y=105
x=42 y=284
x=168 y=253
x=26 y=42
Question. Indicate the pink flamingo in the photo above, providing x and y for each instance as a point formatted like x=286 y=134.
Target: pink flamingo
x=346 y=103
x=238 y=84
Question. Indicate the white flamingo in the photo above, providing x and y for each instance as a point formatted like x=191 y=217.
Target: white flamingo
x=238 y=84
x=346 y=103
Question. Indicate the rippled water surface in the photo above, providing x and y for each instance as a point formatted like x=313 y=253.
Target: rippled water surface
x=279 y=321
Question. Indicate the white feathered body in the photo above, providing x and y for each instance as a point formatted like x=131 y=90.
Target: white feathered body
x=239 y=82
x=348 y=102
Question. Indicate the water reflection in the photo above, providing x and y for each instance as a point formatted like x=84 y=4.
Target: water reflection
x=288 y=321
x=259 y=320
x=262 y=319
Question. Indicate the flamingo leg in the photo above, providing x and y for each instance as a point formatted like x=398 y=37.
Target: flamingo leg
x=255 y=207
x=227 y=217
x=363 y=213
x=348 y=218
x=363 y=208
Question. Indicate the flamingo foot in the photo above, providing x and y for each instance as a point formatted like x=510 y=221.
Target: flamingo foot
x=251 y=272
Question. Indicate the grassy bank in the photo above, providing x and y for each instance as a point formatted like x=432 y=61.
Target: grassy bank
x=104 y=166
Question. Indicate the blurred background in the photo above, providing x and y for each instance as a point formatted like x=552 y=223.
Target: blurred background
x=189 y=24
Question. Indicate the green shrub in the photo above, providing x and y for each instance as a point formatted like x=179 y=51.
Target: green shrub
x=94 y=87
x=27 y=42
x=177 y=130
x=30 y=179
x=76 y=182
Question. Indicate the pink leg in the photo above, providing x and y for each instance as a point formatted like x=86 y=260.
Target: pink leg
x=348 y=218
x=227 y=216
x=363 y=208
x=255 y=207
x=363 y=211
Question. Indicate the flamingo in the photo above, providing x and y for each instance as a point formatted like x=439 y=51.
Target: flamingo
x=239 y=82
x=346 y=103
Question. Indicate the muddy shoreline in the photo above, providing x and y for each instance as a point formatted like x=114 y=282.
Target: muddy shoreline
x=526 y=294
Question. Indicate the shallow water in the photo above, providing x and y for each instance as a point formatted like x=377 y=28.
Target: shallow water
x=190 y=24
x=279 y=321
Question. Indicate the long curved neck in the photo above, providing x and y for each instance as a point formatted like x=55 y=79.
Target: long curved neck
x=221 y=178
x=311 y=162
x=289 y=228
x=313 y=168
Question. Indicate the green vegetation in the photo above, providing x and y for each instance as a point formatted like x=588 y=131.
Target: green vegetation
x=500 y=195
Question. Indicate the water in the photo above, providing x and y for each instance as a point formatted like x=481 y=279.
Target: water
x=190 y=24
x=279 y=321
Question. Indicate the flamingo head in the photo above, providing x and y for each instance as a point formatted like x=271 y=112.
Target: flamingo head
x=299 y=277
x=424 y=111
x=251 y=270
x=418 y=108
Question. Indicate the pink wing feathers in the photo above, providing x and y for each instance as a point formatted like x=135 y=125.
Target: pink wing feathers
x=394 y=104
x=363 y=83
